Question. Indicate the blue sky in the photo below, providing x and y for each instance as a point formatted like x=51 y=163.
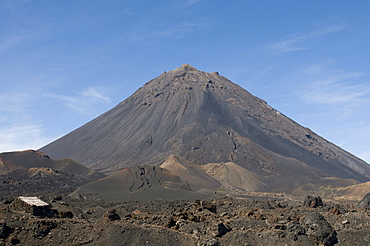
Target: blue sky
x=62 y=63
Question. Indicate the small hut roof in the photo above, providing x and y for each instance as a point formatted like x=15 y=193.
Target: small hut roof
x=33 y=201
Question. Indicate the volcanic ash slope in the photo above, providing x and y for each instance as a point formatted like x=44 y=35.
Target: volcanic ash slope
x=205 y=118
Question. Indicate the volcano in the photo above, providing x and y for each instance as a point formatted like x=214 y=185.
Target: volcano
x=204 y=118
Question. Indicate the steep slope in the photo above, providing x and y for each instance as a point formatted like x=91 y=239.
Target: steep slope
x=190 y=173
x=232 y=176
x=205 y=118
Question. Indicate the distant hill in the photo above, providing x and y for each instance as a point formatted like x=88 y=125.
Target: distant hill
x=39 y=181
x=34 y=173
x=10 y=161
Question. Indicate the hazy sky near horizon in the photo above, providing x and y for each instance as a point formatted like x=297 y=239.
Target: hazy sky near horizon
x=63 y=63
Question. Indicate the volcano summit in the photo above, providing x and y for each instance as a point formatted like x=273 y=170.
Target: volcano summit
x=215 y=125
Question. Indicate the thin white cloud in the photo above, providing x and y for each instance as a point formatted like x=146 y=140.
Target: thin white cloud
x=337 y=94
x=15 y=102
x=20 y=129
x=76 y=107
x=327 y=30
x=335 y=87
x=21 y=137
x=84 y=102
x=175 y=30
x=333 y=103
x=70 y=101
x=299 y=41
x=289 y=43
x=93 y=92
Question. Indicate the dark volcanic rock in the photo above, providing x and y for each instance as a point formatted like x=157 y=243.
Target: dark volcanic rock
x=237 y=223
x=111 y=215
x=365 y=202
x=211 y=242
x=43 y=227
x=208 y=205
x=294 y=231
x=66 y=214
x=313 y=202
x=319 y=230
x=221 y=230
x=4 y=230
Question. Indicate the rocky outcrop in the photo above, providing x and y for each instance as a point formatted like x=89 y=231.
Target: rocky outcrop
x=365 y=202
x=313 y=202
x=318 y=230
x=4 y=230
x=111 y=215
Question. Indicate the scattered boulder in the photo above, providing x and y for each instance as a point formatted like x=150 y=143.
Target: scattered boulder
x=7 y=200
x=56 y=198
x=14 y=241
x=170 y=222
x=365 y=202
x=318 y=230
x=66 y=214
x=211 y=242
x=221 y=230
x=294 y=230
x=336 y=209
x=111 y=215
x=313 y=202
x=4 y=230
x=206 y=205
x=43 y=227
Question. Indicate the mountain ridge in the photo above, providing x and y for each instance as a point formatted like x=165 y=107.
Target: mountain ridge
x=204 y=118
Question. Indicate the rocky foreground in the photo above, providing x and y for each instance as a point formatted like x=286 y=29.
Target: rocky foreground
x=222 y=221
